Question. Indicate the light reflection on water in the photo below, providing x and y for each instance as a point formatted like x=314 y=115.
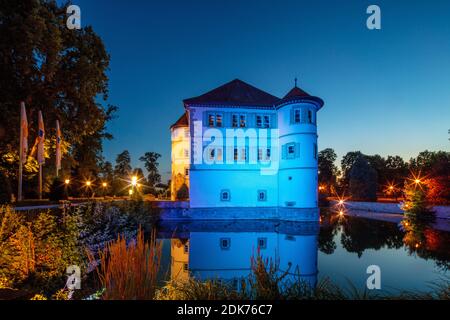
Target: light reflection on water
x=338 y=248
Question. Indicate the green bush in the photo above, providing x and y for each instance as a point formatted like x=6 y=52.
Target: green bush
x=5 y=189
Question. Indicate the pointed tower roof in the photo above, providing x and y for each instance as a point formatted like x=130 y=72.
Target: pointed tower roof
x=234 y=93
x=298 y=94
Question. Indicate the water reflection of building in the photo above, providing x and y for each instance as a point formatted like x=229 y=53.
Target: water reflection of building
x=203 y=251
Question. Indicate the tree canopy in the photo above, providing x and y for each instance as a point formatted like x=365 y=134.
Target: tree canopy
x=59 y=71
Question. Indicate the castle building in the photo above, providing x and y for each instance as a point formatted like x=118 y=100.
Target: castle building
x=238 y=146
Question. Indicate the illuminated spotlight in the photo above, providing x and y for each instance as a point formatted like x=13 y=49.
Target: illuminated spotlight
x=104 y=184
x=130 y=192
x=417 y=181
x=67 y=181
x=341 y=213
x=88 y=183
x=133 y=181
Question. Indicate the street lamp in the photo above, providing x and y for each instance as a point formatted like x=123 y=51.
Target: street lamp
x=134 y=181
x=88 y=183
x=104 y=184
x=67 y=181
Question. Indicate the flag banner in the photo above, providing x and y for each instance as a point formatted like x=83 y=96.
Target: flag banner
x=58 y=146
x=24 y=132
x=41 y=137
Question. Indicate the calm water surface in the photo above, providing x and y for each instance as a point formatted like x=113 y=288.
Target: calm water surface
x=340 y=248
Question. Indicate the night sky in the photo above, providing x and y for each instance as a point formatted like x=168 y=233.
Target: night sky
x=386 y=91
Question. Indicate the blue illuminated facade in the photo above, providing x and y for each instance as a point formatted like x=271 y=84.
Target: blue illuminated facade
x=250 y=149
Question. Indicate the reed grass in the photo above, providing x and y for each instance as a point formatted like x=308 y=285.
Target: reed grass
x=129 y=271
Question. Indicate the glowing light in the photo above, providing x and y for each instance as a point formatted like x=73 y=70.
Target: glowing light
x=104 y=184
x=417 y=181
x=134 y=181
x=130 y=192
x=67 y=181
x=341 y=202
x=391 y=187
x=417 y=245
x=341 y=213
x=88 y=183
x=406 y=223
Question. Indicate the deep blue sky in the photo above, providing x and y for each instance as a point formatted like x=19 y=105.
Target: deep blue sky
x=386 y=91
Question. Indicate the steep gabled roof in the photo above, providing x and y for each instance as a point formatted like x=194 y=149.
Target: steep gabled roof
x=234 y=93
x=181 y=122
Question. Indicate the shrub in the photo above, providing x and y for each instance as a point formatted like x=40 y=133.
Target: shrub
x=129 y=272
x=183 y=192
x=5 y=189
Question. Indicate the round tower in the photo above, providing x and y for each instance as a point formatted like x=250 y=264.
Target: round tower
x=298 y=175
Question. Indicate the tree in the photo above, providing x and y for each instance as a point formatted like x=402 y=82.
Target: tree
x=396 y=169
x=183 y=192
x=123 y=164
x=416 y=205
x=435 y=167
x=150 y=160
x=363 y=180
x=328 y=171
x=346 y=164
x=59 y=71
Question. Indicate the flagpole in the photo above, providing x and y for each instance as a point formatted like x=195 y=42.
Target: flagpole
x=19 y=191
x=40 y=181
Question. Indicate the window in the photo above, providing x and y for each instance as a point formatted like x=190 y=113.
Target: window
x=211 y=120
x=268 y=154
x=243 y=154
x=297 y=115
x=215 y=119
x=266 y=121
x=225 y=243
x=310 y=116
x=186 y=172
x=262 y=195
x=259 y=121
x=262 y=243
x=234 y=121
x=242 y=121
x=291 y=151
x=185 y=267
x=186 y=248
x=186 y=153
x=235 y=154
x=225 y=195
x=315 y=150
x=212 y=154
x=219 y=154
x=260 y=152
x=218 y=120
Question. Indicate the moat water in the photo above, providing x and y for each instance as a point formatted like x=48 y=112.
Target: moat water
x=339 y=248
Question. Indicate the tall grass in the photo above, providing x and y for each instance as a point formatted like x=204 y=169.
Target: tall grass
x=129 y=271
